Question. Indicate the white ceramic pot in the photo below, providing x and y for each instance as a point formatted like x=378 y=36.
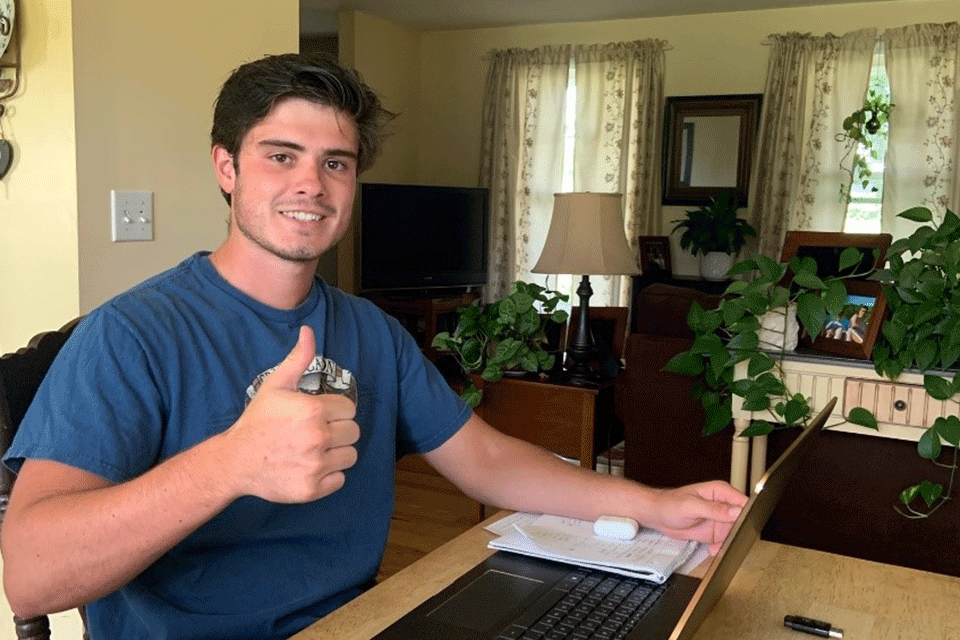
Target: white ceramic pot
x=772 y=333
x=714 y=265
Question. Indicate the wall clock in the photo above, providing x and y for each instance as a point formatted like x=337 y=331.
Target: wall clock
x=6 y=23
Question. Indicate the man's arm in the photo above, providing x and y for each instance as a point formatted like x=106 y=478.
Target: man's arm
x=70 y=537
x=509 y=473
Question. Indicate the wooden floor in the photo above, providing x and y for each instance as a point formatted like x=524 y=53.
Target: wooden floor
x=429 y=512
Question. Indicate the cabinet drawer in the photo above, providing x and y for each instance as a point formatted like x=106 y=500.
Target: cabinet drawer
x=895 y=403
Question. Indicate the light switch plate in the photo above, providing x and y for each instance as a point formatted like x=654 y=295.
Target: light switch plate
x=131 y=215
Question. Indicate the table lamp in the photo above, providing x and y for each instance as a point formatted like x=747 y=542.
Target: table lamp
x=586 y=237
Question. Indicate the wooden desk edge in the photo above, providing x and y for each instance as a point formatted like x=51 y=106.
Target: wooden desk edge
x=869 y=600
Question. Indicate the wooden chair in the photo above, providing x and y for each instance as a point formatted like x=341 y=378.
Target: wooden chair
x=20 y=375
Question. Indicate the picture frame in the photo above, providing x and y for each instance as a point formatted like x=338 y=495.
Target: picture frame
x=854 y=331
x=826 y=246
x=655 y=254
x=708 y=146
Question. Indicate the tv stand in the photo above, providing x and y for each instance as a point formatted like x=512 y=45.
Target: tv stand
x=424 y=316
x=423 y=294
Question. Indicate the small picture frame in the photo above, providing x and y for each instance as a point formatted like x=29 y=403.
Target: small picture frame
x=655 y=254
x=853 y=332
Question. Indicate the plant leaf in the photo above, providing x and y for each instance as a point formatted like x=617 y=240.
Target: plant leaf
x=811 y=312
x=926 y=354
x=949 y=429
x=908 y=494
x=930 y=492
x=835 y=296
x=850 y=257
x=863 y=417
x=746 y=341
x=809 y=281
x=895 y=333
x=916 y=214
x=757 y=428
x=471 y=395
x=928 y=446
x=718 y=418
x=794 y=411
x=685 y=363
x=938 y=388
x=759 y=362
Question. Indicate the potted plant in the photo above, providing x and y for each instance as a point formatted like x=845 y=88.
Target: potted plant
x=503 y=336
x=734 y=333
x=860 y=130
x=922 y=288
x=715 y=233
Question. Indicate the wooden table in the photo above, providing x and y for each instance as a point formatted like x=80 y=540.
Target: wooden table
x=868 y=600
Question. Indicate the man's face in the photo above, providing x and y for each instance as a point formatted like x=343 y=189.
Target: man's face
x=293 y=193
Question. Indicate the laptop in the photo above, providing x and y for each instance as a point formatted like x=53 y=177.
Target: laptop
x=515 y=597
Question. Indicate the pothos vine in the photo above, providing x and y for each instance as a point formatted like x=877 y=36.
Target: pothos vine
x=859 y=129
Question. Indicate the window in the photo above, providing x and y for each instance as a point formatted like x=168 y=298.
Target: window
x=863 y=210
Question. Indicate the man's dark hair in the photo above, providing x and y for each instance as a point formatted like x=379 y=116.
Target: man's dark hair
x=254 y=88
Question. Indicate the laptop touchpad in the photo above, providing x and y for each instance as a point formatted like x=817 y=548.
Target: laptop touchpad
x=485 y=601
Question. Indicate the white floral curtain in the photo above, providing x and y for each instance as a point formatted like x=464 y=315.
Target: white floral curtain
x=922 y=163
x=813 y=83
x=619 y=107
x=515 y=81
x=619 y=102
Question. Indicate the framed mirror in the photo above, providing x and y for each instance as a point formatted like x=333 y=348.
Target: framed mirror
x=708 y=147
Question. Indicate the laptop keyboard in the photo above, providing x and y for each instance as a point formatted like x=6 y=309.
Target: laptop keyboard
x=594 y=606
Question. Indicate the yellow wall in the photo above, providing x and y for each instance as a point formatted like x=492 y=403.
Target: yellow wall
x=709 y=54
x=147 y=75
x=117 y=94
x=38 y=197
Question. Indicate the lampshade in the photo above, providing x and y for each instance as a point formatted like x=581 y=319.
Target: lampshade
x=586 y=237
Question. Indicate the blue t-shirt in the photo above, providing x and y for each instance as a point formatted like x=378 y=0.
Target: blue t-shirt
x=174 y=361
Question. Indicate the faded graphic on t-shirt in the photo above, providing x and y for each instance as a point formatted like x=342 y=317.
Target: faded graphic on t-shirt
x=322 y=376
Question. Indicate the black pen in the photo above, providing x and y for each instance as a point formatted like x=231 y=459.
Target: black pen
x=813 y=627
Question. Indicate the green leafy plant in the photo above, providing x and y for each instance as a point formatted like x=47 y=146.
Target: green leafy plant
x=509 y=334
x=861 y=128
x=714 y=227
x=731 y=334
x=922 y=288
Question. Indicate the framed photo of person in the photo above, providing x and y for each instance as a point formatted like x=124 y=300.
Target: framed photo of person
x=853 y=331
x=655 y=254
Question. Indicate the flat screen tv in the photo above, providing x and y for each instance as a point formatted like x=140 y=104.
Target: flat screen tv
x=417 y=238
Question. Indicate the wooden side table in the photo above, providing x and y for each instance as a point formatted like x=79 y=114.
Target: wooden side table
x=571 y=420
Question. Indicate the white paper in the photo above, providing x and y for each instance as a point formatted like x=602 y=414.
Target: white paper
x=650 y=555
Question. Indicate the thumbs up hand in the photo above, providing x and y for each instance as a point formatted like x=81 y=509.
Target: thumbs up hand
x=290 y=446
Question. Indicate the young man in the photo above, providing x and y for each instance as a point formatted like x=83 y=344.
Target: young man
x=179 y=470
